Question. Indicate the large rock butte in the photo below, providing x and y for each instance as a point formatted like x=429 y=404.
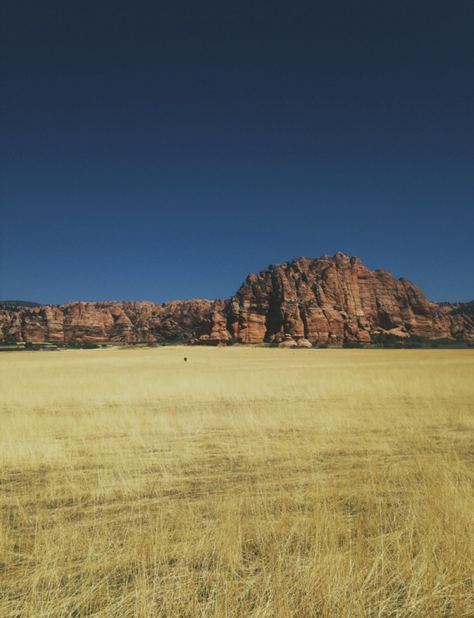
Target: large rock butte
x=332 y=299
x=335 y=299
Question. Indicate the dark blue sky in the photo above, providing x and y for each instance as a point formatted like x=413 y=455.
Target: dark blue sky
x=163 y=150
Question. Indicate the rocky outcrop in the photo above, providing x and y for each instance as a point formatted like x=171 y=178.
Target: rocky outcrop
x=335 y=299
x=303 y=343
x=213 y=330
x=460 y=317
x=121 y=322
x=329 y=300
x=288 y=342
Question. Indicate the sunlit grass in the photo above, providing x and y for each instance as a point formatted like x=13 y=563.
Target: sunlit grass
x=245 y=482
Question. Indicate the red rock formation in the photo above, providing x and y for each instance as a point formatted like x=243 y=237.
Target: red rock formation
x=213 y=330
x=326 y=300
x=335 y=299
x=460 y=318
x=122 y=322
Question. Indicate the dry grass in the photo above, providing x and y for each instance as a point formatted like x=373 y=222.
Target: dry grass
x=243 y=483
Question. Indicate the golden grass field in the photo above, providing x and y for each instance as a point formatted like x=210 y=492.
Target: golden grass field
x=246 y=482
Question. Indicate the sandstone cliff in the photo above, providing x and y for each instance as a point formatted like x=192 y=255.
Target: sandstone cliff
x=333 y=299
x=121 y=322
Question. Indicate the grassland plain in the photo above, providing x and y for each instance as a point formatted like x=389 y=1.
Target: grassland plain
x=245 y=482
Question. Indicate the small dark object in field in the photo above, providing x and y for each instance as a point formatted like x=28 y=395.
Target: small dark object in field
x=185 y=359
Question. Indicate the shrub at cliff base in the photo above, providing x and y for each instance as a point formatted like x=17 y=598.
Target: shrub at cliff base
x=241 y=483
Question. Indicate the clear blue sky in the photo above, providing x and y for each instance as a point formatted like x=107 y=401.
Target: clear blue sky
x=159 y=150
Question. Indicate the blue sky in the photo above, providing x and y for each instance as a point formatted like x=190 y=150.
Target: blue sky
x=157 y=151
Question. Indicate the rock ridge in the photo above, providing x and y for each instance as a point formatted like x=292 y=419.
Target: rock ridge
x=328 y=300
x=336 y=299
x=101 y=322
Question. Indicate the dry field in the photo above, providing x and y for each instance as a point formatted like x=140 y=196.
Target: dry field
x=246 y=483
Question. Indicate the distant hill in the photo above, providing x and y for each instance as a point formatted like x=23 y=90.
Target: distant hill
x=11 y=304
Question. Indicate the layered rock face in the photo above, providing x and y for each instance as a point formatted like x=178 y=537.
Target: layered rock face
x=213 y=330
x=335 y=299
x=124 y=322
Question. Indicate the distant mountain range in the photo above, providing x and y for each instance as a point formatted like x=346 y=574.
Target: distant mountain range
x=329 y=300
x=18 y=303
